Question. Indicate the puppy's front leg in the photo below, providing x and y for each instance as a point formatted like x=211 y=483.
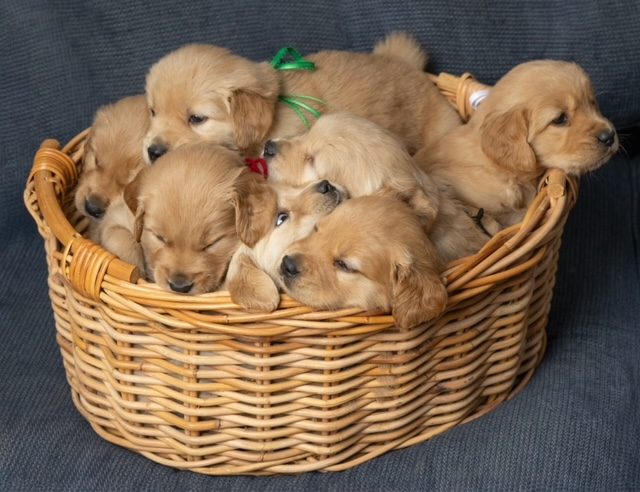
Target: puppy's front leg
x=119 y=241
x=250 y=287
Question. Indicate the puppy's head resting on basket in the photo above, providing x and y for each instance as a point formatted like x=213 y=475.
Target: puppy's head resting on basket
x=111 y=155
x=542 y=114
x=203 y=93
x=267 y=223
x=370 y=253
x=185 y=217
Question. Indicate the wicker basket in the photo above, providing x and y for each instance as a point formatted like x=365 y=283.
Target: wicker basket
x=195 y=383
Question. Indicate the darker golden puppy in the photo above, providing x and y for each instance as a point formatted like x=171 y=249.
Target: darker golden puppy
x=185 y=216
x=111 y=154
x=542 y=114
x=112 y=160
x=370 y=253
x=286 y=214
x=206 y=93
x=366 y=159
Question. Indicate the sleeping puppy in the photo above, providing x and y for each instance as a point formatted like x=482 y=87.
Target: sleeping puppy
x=285 y=214
x=184 y=216
x=366 y=159
x=207 y=93
x=370 y=253
x=111 y=154
x=542 y=114
x=112 y=160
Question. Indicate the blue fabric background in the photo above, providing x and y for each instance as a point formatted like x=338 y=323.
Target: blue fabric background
x=576 y=426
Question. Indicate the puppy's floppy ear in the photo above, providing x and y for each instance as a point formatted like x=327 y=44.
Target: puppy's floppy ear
x=503 y=137
x=424 y=206
x=253 y=107
x=418 y=293
x=256 y=205
x=132 y=199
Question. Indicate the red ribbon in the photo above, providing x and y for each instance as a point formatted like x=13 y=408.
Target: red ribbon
x=258 y=165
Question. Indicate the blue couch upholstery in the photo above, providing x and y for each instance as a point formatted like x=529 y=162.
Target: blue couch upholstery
x=577 y=424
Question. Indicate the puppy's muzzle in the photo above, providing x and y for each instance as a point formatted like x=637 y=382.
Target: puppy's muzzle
x=156 y=150
x=336 y=195
x=289 y=268
x=180 y=283
x=95 y=206
x=325 y=187
x=270 y=150
x=607 y=137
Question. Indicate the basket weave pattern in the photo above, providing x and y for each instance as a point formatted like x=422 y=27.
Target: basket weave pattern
x=196 y=383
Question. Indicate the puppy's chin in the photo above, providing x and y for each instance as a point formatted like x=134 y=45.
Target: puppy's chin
x=579 y=166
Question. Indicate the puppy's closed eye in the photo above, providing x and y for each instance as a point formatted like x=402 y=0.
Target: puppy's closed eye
x=157 y=236
x=210 y=245
x=344 y=266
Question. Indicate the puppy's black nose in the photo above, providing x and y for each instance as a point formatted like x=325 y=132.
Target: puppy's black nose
x=289 y=267
x=270 y=149
x=154 y=151
x=607 y=137
x=325 y=186
x=95 y=207
x=180 y=283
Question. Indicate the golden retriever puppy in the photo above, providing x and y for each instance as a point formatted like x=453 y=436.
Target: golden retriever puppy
x=286 y=215
x=185 y=216
x=207 y=93
x=370 y=253
x=111 y=154
x=112 y=160
x=542 y=114
x=366 y=159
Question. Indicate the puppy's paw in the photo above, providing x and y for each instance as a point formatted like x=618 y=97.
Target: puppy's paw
x=252 y=288
x=260 y=301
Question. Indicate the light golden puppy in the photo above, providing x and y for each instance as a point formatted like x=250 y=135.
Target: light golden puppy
x=111 y=154
x=366 y=159
x=185 y=217
x=206 y=93
x=112 y=160
x=370 y=253
x=542 y=114
x=286 y=215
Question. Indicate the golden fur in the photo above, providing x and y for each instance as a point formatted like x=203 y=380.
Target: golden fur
x=289 y=214
x=366 y=159
x=370 y=253
x=185 y=217
x=112 y=160
x=495 y=161
x=207 y=93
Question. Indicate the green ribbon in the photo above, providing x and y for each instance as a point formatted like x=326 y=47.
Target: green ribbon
x=290 y=59
x=298 y=105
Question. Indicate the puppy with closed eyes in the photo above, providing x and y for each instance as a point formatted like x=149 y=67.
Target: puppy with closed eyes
x=285 y=214
x=184 y=216
x=111 y=161
x=366 y=159
x=370 y=253
x=207 y=93
x=542 y=114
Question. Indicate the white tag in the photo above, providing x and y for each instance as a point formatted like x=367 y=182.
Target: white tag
x=476 y=98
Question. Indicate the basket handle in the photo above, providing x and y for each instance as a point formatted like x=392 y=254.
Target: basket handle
x=90 y=262
x=463 y=92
